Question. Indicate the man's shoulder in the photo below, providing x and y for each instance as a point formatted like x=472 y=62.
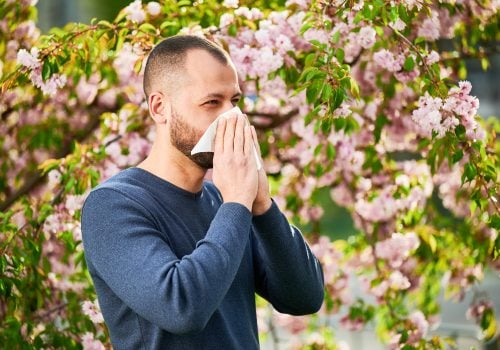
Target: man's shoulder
x=123 y=185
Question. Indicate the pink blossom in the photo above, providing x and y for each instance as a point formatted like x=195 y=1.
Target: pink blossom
x=124 y=63
x=397 y=248
x=398 y=281
x=410 y=4
x=421 y=326
x=74 y=203
x=398 y=25
x=49 y=86
x=303 y=4
x=250 y=14
x=477 y=309
x=226 y=20
x=283 y=44
x=406 y=77
x=266 y=62
x=243 y=59
x=90 y=343
x=263 y=37
x=366 y=37
x=93 y=311
x=134 y=12
x=317 y=34
x=138 y=148
x=28 y=59
x=430 y=28
x=342 y=195
x=230 y=3
x=76 y=229
x=53 y=224
x=294 y=324
x=107 y=98
x=432 y=57
x=385 y=59
x=428 y=117
x=448 y=22
x=86 y=90
x=342 y=111
x=26 y=29
x=381 y=208
x=154 y=8
x=380 y=289
x=353 y=325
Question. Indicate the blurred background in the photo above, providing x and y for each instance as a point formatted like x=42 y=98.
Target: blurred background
x=336 y=222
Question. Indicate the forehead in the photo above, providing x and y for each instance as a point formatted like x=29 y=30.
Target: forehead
x=205 y=73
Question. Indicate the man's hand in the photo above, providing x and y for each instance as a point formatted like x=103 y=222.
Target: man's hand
x=263 y=199
x=235 y=168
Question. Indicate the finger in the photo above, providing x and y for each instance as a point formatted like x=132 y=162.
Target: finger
x=219 y=136
x=239 y=135
x=229 y=134
x=248 y=148
x=256 y=141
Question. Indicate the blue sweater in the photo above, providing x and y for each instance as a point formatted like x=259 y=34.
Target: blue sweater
x=178 y=270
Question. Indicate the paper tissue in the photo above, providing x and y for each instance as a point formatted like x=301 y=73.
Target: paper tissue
x=207 y=140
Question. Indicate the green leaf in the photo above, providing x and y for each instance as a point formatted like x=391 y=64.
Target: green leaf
x=470 y=172
x=338 y=98
x=457 y=156
x=313 y=91
x=495 y=222
x=460 y=132
x=340 y=55
x=339 y=123
x=409 y=64
x=330 y=152
x=49 y=165
x=69 y=185
x=305 y=28
x=232 y=30
x=485 y=63
x=336 y=37
x=182 y=3
x=354 y=88
x=46 y=70
x=318 y=149
x=379 y=124
x=148 y=28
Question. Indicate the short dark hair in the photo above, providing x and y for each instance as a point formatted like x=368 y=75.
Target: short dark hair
x=167 y=59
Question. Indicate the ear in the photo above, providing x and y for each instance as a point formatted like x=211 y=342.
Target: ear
x=159 y=107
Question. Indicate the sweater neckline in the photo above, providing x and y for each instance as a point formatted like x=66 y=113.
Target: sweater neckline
x=145 y=174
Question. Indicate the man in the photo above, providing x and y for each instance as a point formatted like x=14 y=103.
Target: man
x=176 y=260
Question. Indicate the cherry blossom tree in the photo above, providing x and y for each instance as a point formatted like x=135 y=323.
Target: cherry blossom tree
x=367 y=100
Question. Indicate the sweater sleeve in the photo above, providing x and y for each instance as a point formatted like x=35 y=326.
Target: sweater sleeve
x=288 y=274
x=125 y=249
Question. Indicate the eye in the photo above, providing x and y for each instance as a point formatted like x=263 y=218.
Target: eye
x=235 y=101
x=212 y=102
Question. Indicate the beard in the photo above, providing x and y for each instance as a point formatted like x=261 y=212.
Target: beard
x=184 y=137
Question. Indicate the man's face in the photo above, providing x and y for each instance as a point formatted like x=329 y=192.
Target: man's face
x=209 y=89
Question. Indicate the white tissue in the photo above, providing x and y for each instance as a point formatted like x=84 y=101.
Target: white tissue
x=207 y=140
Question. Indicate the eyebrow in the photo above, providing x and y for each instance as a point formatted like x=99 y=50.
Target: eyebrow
x=219 y=95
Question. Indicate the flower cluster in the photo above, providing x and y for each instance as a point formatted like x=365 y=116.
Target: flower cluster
x=397 y=249
x=31 y=61
x=93 y=311
x=434 y=115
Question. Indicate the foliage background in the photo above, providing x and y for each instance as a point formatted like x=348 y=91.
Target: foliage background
x=86 y=120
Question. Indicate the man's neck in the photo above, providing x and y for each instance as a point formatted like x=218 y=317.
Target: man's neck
x=171 y=165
